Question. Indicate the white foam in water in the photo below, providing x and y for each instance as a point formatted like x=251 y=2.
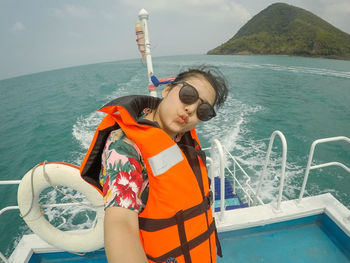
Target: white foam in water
x=131 y=87
x=295 y=69
x=229 y=124
x=253 y=154
x=83 y=131
x=250 y=153
x=70 y=217
x=84 y=128
x=234 y=117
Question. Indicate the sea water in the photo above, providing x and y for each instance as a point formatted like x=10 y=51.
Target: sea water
x=52 y=116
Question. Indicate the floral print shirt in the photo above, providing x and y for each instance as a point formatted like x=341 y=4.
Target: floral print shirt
x=123 y=174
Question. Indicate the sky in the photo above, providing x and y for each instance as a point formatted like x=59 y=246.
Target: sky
x=41 y=35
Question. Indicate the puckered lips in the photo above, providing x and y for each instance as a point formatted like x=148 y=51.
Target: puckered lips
x=182 y=119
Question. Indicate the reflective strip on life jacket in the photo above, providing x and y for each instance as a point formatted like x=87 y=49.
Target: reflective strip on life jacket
x=164 y=160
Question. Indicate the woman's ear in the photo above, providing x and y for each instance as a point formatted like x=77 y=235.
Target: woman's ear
x=165 y=91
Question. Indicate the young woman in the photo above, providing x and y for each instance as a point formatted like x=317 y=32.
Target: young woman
x=153 y=175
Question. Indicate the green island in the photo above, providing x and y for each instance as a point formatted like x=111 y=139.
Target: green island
x=283 y=29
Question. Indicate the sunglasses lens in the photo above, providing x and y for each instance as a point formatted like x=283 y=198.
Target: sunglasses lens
x=205 y=112
x=188 y=94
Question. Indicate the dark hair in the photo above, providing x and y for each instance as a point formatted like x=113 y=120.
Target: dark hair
x=213 y=75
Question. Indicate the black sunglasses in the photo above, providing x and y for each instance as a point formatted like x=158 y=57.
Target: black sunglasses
x=189 y=95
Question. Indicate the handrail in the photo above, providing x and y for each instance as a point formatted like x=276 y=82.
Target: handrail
x=10 y=182
x=3 y=258
x=247 y=182
x=330 y=164
x=246 y=189
x=221 y=173
x=8 y=208
x=267 y=159
x=311 y=154
x=210 y=162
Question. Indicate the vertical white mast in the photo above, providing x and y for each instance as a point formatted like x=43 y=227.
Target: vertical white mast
x=143 y=16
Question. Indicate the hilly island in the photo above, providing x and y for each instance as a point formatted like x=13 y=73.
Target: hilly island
x=282 y=29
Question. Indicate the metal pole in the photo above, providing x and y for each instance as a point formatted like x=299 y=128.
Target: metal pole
x=3 y=258
x=10 y=182
x=311 y=154
x=212 y=179
x=221 y=174
x=143 y=16
x=284 y=160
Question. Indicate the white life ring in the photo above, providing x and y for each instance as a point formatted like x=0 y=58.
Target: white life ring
x=60 y=174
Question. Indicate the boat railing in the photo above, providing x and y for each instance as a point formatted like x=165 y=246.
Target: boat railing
x=312 y=167
x=246 y=187
x=283 y=168
x=9 y=208
x=244 y=183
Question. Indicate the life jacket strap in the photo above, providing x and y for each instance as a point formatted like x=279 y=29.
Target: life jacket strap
x=182 y=235
x=188 y=245
x=151 y=224
x=218 y=245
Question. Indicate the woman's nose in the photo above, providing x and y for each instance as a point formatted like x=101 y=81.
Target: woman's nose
x=191 y=108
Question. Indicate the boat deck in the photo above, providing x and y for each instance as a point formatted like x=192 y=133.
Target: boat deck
x=310 y=239
x=302 y=232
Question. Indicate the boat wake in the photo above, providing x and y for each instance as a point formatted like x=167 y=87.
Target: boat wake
x=250 y=153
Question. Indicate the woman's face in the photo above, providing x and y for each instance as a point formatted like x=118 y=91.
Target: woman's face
x=175 y=117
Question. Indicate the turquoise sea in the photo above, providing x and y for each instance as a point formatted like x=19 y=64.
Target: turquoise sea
x=52 y=116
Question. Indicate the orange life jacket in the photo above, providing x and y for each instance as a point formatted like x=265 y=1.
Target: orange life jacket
x=176 y=224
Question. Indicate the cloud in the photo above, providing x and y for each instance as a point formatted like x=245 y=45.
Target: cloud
x=57 y=12
x=215 y=10
x=74 y=35
x=334 y=7
x=338 y=15
x=108 y=16
x=339 y=8
x=236 y=11
x=71 y=11
x=18 y=26
x=336 y=12
x=77 y=11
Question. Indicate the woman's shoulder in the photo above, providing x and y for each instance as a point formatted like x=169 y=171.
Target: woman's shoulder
x=122 y=176
x=119 y=142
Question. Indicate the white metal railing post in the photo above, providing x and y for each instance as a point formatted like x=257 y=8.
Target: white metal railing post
x=234 y=178
x=311 y=154
x=217 y=144
x=284 y=159
x=212 y=180
x=3 y=258
x=245 y=187
x=247 y=182
x=8 y=208
x=143 y=16
x=10 y=182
